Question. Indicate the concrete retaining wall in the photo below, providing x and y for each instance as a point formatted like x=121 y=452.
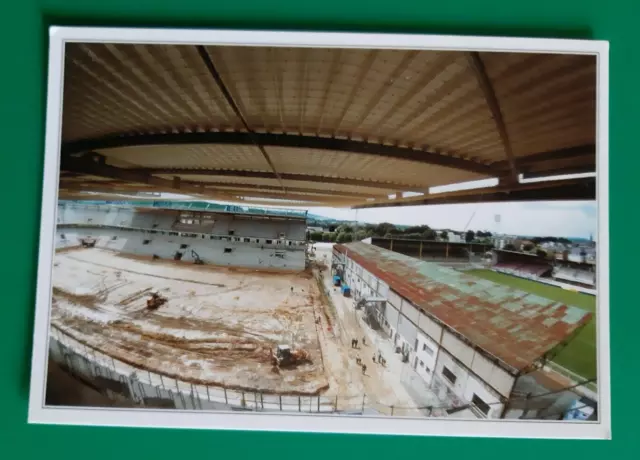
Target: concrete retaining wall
x=117 y=379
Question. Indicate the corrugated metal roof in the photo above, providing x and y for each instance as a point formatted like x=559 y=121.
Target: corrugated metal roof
x=377 y=120
x=514 y=326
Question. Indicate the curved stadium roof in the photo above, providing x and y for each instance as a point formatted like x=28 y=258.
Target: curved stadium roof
x=333 y=127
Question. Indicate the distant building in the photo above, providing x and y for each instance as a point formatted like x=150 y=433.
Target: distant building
x=499 y=242
x=316 y=229
x=454 y=237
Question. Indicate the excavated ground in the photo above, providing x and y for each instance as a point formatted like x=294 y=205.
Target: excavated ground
x=217 y=327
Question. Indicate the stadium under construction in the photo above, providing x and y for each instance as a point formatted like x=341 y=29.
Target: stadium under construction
x=206 y=306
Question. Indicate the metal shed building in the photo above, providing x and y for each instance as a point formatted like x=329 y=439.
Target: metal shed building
x=476 y=337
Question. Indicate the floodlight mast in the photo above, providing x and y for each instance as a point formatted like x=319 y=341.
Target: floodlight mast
x=355 y=230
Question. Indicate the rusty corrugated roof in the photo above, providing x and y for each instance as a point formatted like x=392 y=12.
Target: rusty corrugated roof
x=514 y=326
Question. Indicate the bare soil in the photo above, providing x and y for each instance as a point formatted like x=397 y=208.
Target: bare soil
x=217 y=328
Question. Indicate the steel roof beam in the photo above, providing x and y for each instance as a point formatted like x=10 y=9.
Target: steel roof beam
x=550 y=172
x=268 y=188
x=553 y=155
x=576 y=189
x=208 y=62
x=227 y=187
x=476 y=64
x=338 y=201
x=285 y=176
x=95 y=165
x=279 y=140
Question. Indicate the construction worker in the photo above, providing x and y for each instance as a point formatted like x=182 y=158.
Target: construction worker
x=364 y=369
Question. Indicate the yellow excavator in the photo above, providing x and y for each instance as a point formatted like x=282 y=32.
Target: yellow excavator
x=155 y=301
x=285 y=356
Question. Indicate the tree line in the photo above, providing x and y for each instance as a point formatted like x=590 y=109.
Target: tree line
x=345 y=233
x=550 y=239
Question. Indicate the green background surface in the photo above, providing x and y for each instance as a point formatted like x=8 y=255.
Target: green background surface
x=23 y=42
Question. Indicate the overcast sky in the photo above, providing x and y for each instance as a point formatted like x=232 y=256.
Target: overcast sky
x=557 y=218
x=576 y=219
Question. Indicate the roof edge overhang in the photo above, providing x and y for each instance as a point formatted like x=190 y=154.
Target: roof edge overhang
x=583 y=189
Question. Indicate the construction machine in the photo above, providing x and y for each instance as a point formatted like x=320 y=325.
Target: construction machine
x=155 y=301
x=196 y=258
x=88 y=242
x=285 y=356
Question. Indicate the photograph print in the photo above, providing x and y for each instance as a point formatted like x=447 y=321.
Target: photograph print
x=372 y=237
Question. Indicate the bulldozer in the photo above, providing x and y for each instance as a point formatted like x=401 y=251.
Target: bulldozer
x=285 y=356
x=155 y=301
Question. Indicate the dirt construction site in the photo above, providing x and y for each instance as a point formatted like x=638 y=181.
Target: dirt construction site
x=219 y=327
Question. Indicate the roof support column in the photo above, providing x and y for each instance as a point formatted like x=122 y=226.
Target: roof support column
x=208 y=62
x=476 y=64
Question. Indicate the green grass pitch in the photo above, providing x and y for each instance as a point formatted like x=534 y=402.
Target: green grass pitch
x=580 y=355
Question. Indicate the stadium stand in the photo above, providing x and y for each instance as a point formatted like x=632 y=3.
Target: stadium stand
x=214 y=252
x=435 y=251
x=577 y=276
x=214 y=238
x=522 y=264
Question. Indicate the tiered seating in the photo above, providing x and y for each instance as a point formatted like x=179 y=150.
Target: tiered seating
x=140 y=220
x=213 y=252
x=261 y=228
x=220 y=225
x=206 y=227
x=268 y=230
x=118 y=217
x=586 y=277
x=535 y=270
x=505 y=266
x=575 y=276
x=163 y=221
x=524 y=270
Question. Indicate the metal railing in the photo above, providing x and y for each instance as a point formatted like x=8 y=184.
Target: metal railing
x=118 y=380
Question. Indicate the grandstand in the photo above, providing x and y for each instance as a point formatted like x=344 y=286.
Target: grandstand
x=521 y=264
x=233 y=283
x=228 y=238
x=581 y=274
x=443 y=252
x=557 y=272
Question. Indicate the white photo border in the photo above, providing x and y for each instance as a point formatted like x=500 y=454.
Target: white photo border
x=173 y=418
